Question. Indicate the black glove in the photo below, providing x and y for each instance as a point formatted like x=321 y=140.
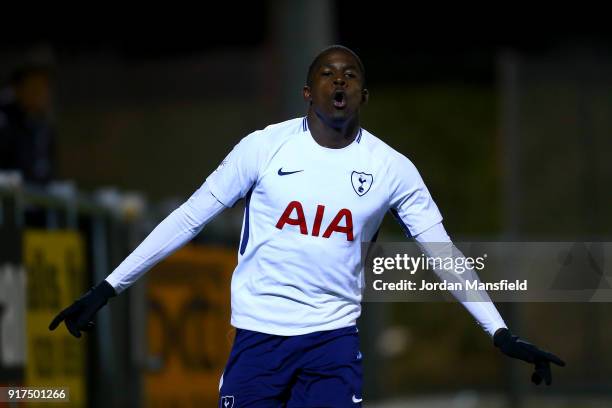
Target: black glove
x=79 y=315
x=514 y=347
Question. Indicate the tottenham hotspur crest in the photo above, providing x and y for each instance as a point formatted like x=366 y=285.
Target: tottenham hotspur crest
x=361 y=182
x=227 y=401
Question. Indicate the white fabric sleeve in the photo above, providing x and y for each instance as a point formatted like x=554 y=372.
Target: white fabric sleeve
x=173 y=232
x=239 y=171
x=410 y=201
x=435 y=242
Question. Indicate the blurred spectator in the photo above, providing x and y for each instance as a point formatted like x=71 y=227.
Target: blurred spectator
x=27 y=136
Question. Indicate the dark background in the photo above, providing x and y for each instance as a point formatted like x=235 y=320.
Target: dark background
x=505 y=114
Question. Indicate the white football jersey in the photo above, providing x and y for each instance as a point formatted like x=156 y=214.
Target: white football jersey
x=308 y=208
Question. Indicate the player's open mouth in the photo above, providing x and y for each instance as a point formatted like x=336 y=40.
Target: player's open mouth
x=339 y=99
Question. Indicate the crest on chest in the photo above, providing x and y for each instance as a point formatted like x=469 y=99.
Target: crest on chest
x=361 y=182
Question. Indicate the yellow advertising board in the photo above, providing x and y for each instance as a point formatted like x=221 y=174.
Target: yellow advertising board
x=55 y=275
x=188 y=331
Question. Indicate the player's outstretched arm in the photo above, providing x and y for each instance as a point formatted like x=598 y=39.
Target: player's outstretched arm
x=515 y=347
x=173 y=232
x=435 y=241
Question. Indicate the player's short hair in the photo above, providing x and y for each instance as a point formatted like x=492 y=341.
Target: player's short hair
x=336 y=47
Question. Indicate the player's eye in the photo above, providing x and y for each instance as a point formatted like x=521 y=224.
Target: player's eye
x=326 y=73
x=350 y=74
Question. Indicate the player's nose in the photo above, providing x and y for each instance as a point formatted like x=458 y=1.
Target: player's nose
x=339 y=81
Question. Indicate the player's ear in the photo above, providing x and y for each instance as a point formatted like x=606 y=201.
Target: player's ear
x=306 y=93
x=365 y=96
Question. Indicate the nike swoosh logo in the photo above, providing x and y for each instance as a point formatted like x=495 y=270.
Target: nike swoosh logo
x=285 y=173
x=356 y=400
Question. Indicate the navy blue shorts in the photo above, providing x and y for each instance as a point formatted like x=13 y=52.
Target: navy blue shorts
x=321 y=369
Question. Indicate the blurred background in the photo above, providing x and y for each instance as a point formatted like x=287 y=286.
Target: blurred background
x=106 y=127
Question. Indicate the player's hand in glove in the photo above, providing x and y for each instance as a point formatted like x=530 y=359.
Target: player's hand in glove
x=78 y=316
x=515 y=347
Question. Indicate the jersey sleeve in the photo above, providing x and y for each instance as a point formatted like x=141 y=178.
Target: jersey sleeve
x=173 y=232
x=435 y=242
x=239 y=171
x=410 y=201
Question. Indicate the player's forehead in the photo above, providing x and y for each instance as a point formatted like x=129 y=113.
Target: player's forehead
x=337 y=58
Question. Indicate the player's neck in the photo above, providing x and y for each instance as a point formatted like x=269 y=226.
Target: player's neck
x=333 y=137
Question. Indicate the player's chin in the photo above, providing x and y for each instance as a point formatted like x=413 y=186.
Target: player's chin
x=339 y=118
x=344 y=113
x=339 y=113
